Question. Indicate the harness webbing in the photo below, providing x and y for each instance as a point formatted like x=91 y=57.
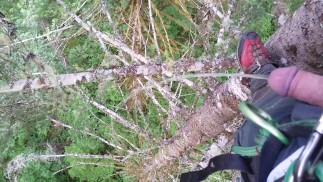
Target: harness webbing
x=268 y=155
x=219 y=163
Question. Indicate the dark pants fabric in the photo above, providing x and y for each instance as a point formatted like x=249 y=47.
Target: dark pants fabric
x=263 y=97
x=281 y=109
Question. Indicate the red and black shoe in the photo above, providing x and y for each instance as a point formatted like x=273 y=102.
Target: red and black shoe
x=251 y=52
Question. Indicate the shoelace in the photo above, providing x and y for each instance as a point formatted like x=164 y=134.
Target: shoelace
x=259 y=54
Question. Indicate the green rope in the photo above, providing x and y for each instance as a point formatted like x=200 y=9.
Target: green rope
x=319 y=171
x=262 y=119
x=246 y=151
x=267 y=125
x=289 y=172
x=305 y=123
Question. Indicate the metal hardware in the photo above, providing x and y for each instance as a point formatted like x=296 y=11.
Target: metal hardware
x=263 y=119
x=258 y=64
x=311 y=153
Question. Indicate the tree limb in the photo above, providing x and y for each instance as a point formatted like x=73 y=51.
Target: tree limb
x=169 y=70
x=114 y=42
x=60 y=123
x=115 y=116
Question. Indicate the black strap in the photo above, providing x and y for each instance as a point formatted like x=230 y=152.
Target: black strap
x=268 y=156
x=219 y=163
x=269 y=153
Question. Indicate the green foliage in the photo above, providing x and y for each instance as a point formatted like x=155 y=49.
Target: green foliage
x=220 y=177
x=112 y=95
x=93 y=173
x=198 y=52
x=2 y=177
x=265 y=26
x=84 y=145
x=84 y=53
x=73 y=50
x=36 y=171
x=155 y=128
x=202 y=147
x=83 y=116
x=172 y=128
x=179 y=24
x=258 y=16
x=293 y=5
x=26 y=129
x=86 y=169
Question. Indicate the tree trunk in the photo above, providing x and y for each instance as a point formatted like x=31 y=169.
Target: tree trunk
x=300 y=39
x=207 y=122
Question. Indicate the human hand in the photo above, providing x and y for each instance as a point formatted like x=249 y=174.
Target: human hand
x=299 y=84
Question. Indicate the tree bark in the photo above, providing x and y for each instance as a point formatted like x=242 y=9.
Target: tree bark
x=207 y=122
x=43 y=82
x=300 y=39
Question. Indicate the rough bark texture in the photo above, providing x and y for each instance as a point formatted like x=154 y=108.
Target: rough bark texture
x=300 y=39
x=207 y=122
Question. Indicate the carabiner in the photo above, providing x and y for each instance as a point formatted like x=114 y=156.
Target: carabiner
x=311 y=153
x=263 y=119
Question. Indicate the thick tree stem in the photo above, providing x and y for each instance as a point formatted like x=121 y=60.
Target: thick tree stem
x=300 y=39
x=207 y=122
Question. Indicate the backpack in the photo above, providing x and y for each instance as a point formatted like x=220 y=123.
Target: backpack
x=260 y=156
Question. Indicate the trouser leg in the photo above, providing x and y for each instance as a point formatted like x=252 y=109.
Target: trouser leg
x=257 y=86
x=265 y=98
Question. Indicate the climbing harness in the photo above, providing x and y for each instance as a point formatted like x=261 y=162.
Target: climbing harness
x=262 y=119
x=308 y=166
x=308 y=163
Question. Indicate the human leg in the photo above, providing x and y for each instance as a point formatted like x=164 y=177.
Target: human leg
x=254 y=59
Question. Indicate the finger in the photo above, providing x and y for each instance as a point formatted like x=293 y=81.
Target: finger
x=299 y=84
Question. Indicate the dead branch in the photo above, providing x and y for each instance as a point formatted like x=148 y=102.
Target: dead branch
x=169 y=70
x=115 y=116
x=60 y=123
x=117 y=43
x=114 y=42
x=116 y=31
x=38 y=37
x=16 y=165
x=152 y=23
